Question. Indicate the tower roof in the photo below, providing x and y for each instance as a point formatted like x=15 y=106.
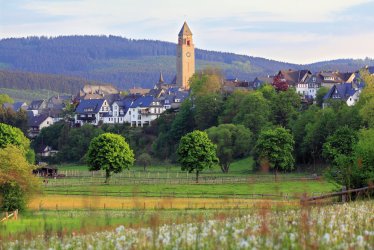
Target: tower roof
x=185 y=31
x=161 y=80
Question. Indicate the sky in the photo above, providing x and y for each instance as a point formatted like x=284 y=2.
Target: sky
x=296 y=31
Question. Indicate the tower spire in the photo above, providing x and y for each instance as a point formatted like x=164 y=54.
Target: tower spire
x=185 y=31
x=161 y=79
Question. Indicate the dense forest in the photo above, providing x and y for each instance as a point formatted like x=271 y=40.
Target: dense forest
x=26 y=86
x=127 y=62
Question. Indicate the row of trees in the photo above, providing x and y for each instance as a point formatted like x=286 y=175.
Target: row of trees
x=238 y=124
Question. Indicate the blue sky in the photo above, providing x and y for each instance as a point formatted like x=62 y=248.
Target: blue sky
x=296 y=31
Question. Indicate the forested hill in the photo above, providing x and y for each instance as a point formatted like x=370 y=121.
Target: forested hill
x=19 y=85
x=126 y=62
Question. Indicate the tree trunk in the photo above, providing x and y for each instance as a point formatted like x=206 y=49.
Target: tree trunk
x=225 y=168
x=276 y=174
x=197 y=176
x=107 y=177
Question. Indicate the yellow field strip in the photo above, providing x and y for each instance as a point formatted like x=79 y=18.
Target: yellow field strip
x=64 y=202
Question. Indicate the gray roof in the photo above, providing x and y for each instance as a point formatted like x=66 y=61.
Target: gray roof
x=36 y=103
x=142 y=102
x=90 y=106
x=343 y=91
x=36 y=120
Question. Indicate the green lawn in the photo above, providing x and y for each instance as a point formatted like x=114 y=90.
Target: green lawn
x=276 y=188
x=238 y=168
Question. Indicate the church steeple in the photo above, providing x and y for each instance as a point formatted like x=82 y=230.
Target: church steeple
x=185 y=57
x=161 y=79
x=185 y=31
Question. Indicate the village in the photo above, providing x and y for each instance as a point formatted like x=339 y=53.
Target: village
x=98 y=104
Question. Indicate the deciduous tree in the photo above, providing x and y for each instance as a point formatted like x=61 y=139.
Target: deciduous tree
x=14 y=136
x=233 y=141
x=196 y=152
x=17 y=183
x=144 y=160
x=111 y=153
x=275 y=148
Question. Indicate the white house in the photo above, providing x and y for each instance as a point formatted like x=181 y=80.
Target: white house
x=344 y=92
x=37 y=123
x=144 y=110
x=119 y=112
x=92 y=111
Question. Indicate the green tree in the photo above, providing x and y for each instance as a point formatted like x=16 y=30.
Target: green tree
x=49 y=136
x=15 y=119
x=339 y=143
x=17 y=183
x=207 y=110
x=14 y=136
x=109 y=152
x=367 y=93
x=367 y=113
x=196 y=152
x=144 y=160
x=253 y=112
x=233 y=141
x=321 y=92
x=268 y=91
x=231 y=106
x=298 y=127
x=4 y=98
x=355 y=170
x=206 y=83
x=285 y=106
x=68 y=112
x=75 y=143
x=184 y=121
x=274 y=148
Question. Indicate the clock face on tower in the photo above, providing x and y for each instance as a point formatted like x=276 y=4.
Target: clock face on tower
x=188 y=54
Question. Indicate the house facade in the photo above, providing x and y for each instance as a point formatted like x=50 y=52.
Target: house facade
x=345 y=92
x=91 y=111
x=37 y=123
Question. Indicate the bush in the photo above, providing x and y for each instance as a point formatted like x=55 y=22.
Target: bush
x=12 y=197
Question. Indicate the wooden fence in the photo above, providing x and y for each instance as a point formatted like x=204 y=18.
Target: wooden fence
x=7 y=216
x=343 y=195
x=281 y=196
x=169 y=179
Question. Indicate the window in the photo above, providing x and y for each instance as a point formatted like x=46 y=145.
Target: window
x=129 y=112
x=188 y=42
x=139 y=117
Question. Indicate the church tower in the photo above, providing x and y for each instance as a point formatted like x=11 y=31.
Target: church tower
x=185 y=57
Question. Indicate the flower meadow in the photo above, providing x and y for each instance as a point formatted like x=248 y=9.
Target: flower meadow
x=345 y=226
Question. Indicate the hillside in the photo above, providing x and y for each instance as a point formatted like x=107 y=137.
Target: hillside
x=26 y=86
x=126 y=62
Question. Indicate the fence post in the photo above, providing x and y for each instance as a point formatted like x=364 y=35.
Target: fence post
x=344 y=196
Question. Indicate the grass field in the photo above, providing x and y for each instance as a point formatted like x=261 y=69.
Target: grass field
x=243 y=166
x=343 y=226
x=284 y=188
